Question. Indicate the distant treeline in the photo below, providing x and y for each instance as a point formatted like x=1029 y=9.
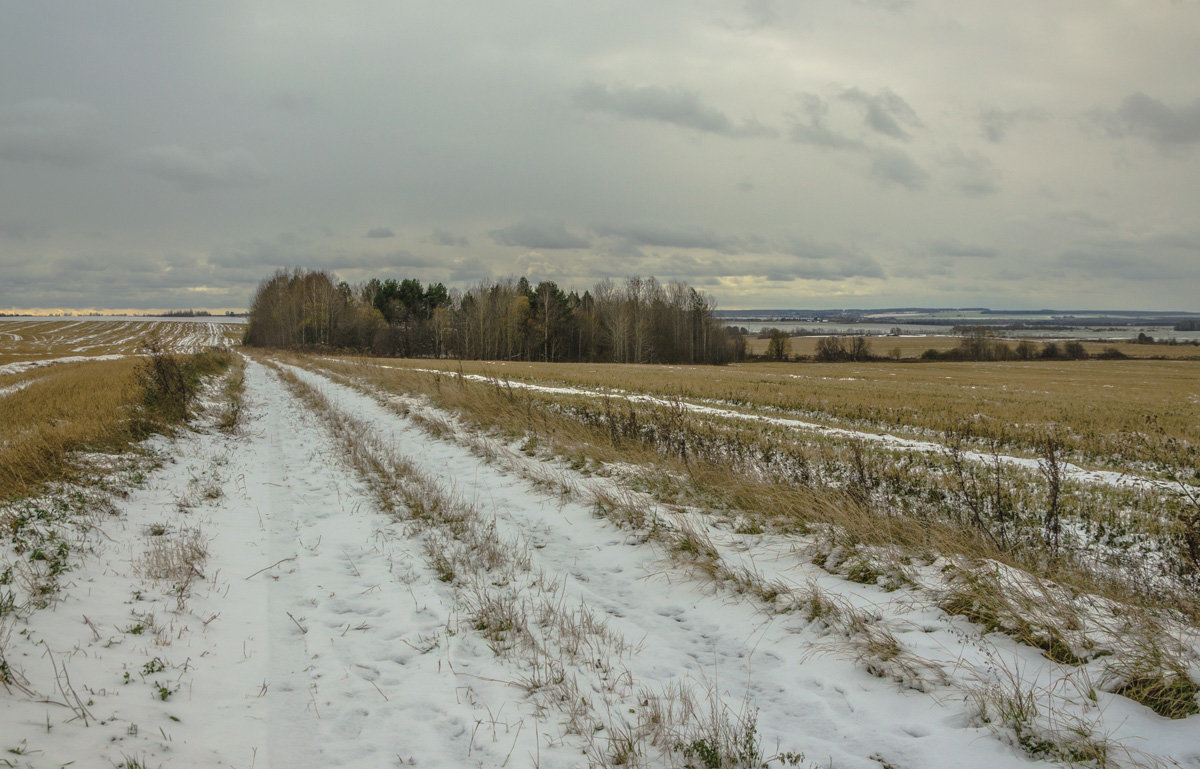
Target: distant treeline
x=638 y=321
x=189 y=313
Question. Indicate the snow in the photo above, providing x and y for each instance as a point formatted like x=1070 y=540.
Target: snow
x=6 y=391
x=320 y=634
x=25 y=365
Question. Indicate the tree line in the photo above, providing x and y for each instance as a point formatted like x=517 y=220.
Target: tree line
x=637 y=321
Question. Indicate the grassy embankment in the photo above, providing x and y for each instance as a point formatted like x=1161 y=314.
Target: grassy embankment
x=95 y=406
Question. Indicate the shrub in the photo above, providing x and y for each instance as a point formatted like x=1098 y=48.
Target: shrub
x=779 y=346
x=1074 y=350
x=830 y=349
x=169 y=384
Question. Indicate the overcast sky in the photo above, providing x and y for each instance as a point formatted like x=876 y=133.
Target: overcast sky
x=808 y=153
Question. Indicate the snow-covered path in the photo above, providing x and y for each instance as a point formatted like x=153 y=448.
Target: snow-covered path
x=316 y=638
x=321 y=634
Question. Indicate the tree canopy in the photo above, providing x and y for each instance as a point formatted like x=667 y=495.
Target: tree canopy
x=637 y=321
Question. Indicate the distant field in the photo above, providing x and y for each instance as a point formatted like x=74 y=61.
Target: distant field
x=34 y=339
x=913 y=346
x=1106 y=411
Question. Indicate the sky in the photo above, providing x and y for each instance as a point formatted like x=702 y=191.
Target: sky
x=809 y=153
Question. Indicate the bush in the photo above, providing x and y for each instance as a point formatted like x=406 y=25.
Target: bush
x=169 y=384
x=779 y=346
x=830 y=349
x=1074 y=350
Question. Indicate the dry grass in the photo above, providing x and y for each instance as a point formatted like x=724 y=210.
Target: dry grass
x=95 y=406
x=1109 y=412
x=68 y=408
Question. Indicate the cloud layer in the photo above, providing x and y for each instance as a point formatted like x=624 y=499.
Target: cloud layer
x=824 y=154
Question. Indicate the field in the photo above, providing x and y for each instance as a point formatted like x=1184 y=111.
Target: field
x=1110 y=413
x=378 y=562
x=913 y=346
x=26 y=340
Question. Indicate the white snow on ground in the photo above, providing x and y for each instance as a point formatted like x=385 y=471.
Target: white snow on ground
x=318 y=634
x=1069 y=471
x=25 y=365
x=6 y=391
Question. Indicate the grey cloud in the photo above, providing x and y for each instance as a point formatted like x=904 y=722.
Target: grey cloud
x=675 y=105
x=886 y=113
x=893 y=167
x=761 y=12
x=671 y=237
x=977 y=188
x=132 y=280
x=1189 y=241
x=535 y=233
x=51 y=131
x=771 y=267
x=468 y=269
x=996 y=123
x=293 y=103
x=954 y=248
x=196 y=170
x=443 y=238
x=812 y=127
x=401 y=259
x=380 y=232
x=893 y=6
x=973 y=174
x=824 y=261
x=290 y=249
x=1155 y=121
x=1133 y=266
x=22 y=229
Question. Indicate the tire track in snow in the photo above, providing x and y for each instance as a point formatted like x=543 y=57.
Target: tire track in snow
x=362 y=669
x=688 y=633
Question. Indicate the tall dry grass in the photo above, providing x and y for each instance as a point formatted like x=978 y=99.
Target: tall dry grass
x=1109 y=413
x=96 y=406
x=69 y=408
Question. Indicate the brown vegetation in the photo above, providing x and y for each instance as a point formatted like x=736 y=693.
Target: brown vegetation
x=91 y=406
